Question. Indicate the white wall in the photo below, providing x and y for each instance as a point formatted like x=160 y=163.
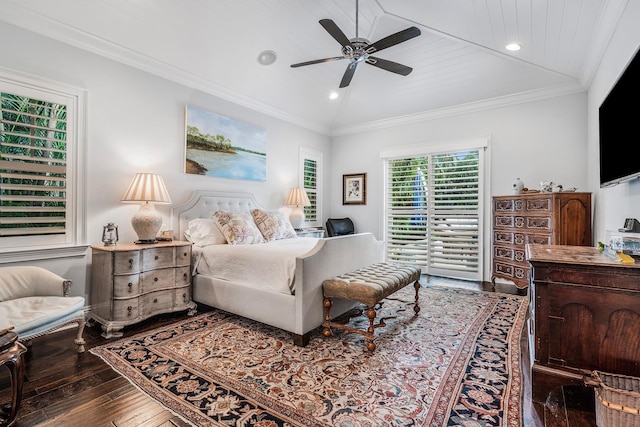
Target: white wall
x=135 y=123
x=536 y=141
x=613 y=204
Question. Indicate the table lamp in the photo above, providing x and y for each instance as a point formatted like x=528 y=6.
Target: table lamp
x=147 y=188
x=298 y=198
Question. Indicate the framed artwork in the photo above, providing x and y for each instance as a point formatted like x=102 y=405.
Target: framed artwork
x=218 y=146
x=354 y=189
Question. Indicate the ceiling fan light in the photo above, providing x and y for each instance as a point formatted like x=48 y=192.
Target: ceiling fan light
x=513 y=47
x=267 y=57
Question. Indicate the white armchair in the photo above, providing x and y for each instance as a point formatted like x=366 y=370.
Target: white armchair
x=35 y=302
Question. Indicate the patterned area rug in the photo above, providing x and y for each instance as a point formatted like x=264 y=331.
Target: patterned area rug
x=455 y=364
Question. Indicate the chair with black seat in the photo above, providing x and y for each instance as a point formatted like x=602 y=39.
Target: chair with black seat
x=339 y=226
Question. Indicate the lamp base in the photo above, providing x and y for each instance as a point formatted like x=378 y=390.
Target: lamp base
x=146 y=223
x=296 y=218
x=145 y=242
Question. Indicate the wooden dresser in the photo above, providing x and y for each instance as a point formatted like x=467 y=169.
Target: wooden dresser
x=130 y=283
x=584 y=315
x=536 y=218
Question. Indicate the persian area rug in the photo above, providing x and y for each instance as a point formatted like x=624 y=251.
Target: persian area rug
x=457 y=363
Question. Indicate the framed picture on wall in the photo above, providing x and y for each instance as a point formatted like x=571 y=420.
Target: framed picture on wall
x=354 y=189
x=222 y=147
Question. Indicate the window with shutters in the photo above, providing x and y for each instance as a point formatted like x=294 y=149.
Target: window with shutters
x=433 y=212
x=311 y=162
x=38 y=171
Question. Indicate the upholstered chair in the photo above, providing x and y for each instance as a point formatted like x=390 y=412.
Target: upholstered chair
x=339 y=226
x=35 y=302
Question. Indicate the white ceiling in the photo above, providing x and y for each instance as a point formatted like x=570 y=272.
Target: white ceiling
x=459 y=61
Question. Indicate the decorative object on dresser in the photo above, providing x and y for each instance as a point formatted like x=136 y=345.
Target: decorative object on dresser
x=584 y=316
x=297 y=198
x=146 y=188
x=132 y=282
x=536 y=218
x=110 y=234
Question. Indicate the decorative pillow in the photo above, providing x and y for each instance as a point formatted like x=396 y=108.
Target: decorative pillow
x=238 y=228
x=273 y=225
x=204 y=232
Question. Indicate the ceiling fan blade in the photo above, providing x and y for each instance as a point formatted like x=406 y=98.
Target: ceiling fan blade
x=394 y=67
x=335 y=32
x=394 y=39
x=348 y=74
x=317 y=61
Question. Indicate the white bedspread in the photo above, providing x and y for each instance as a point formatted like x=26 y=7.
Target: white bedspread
x=269 y=266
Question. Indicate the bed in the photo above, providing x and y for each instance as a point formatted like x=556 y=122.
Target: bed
x=295 y=304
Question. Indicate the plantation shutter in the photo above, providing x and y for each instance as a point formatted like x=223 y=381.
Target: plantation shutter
x=433 y=213
x=33 y=166
x=454 y=246
x=311 y=187
x=310 y=178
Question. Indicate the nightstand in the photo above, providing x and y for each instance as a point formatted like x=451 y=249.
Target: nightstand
x=131 y=282
x=310 y=232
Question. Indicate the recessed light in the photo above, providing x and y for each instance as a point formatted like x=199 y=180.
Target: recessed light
x=333 y=95
x=267 y=57
x=513 y=47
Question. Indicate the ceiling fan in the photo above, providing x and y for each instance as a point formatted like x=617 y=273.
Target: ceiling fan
x=358 y=50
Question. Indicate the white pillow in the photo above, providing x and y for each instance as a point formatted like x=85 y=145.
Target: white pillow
x=273 y=225
x=238 y=228
x=204 y=232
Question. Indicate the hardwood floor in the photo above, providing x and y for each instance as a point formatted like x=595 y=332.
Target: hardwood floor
x=63 y=388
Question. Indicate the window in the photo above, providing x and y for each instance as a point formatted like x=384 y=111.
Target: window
x=433 y=212
x=311 y=176
x=40 y=183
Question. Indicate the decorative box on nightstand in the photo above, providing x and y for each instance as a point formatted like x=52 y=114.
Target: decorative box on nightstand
x=131 y=282
x=310 y=232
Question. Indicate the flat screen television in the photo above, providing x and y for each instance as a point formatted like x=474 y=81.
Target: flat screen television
x=620 y=128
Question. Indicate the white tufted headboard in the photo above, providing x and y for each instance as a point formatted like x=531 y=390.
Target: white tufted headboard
x=203 y=204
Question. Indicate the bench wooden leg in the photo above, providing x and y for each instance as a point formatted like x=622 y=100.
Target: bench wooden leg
x=327 y=318
x=371 y=314
x=416 y=307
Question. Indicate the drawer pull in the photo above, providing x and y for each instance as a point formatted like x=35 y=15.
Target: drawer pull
x=184 y=297
x=185 y=254
x=184 y=275
x=155 y=279
x=156 y=257
x=130 y=262
x=155 y=300
x=130 y=285
x=129 y=310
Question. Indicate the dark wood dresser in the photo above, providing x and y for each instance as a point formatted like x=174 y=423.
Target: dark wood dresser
x=535 y=218
x=584 y=315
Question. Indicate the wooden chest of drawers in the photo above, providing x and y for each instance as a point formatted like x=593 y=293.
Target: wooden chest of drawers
x=130 y=283
x=535 y=218
x=584 y=314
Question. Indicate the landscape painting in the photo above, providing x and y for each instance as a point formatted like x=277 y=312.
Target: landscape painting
x=225 y=148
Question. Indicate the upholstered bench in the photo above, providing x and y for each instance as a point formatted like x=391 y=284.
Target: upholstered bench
x=369 y=285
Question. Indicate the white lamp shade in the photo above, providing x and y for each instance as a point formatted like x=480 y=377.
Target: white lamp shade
x=297 y=197
x=147 y=187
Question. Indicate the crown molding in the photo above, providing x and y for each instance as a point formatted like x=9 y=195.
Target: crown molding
x=472 y=107
x=21 y=16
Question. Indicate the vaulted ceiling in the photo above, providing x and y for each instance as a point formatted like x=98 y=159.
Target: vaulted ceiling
x=458 y=61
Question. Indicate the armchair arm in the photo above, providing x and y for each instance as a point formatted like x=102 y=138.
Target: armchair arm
x=26 y=281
